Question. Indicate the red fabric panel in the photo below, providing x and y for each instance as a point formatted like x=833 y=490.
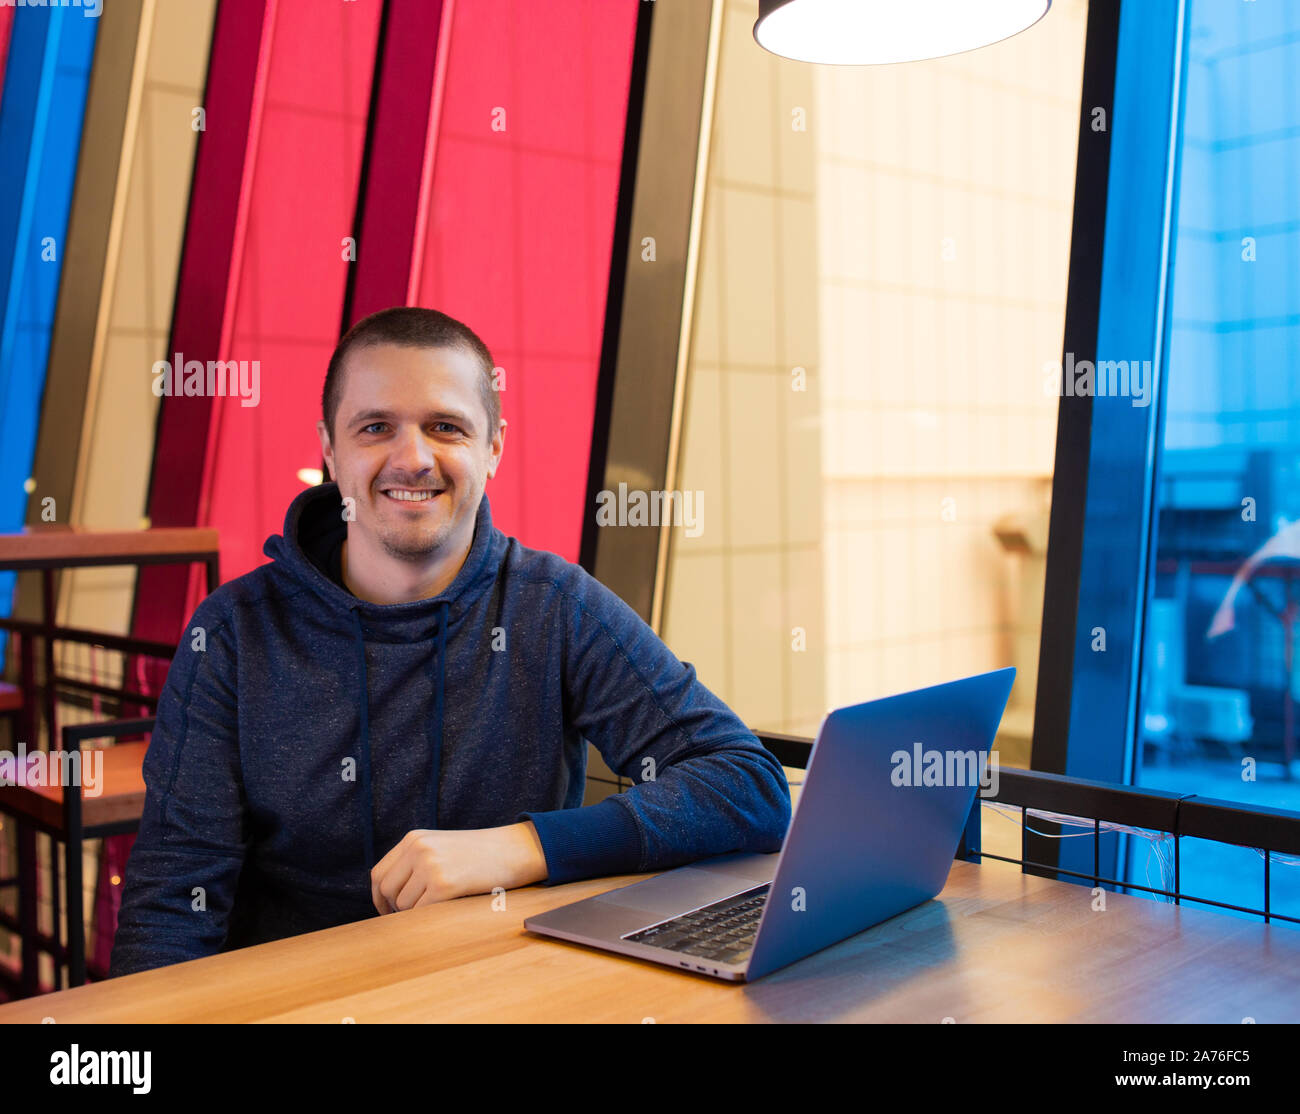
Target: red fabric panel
x=404 y=115
x=293 y=273
x=520 y=227
x=6 y=22
x=201 y=306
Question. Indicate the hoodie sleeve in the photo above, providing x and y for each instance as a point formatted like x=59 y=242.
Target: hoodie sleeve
x=703 y=783
x=184 y=867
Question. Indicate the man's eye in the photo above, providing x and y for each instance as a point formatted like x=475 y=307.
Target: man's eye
x=378 y=427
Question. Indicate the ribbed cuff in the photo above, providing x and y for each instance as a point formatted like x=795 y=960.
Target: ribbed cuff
x=588 y=842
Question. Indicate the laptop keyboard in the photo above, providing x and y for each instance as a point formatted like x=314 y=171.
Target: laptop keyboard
x=723 y=931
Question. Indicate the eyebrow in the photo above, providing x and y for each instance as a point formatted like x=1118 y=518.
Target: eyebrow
x=368 y=416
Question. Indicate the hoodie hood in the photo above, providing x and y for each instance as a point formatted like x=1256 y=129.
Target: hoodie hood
x=313 y=529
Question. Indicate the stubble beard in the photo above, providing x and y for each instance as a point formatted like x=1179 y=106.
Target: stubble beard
x=416 y=544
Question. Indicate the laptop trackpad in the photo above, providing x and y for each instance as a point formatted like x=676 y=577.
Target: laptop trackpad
x=678 y=891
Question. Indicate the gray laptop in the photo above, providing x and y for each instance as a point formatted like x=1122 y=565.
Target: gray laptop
x=886 y=796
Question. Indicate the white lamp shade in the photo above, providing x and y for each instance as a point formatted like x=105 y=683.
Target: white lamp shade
x=876 y=32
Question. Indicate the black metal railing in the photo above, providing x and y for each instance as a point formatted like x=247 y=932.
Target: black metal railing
x=71 y=831
x=1272 y=831
x=74 y=690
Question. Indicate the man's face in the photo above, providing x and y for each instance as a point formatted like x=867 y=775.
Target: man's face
x=411 y=447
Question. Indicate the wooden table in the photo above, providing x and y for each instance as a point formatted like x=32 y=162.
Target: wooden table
x=997 y=945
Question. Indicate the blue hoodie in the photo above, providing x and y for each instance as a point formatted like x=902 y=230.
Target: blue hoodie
x=302 y=732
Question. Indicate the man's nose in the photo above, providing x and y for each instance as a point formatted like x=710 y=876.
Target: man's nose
x=412 y=452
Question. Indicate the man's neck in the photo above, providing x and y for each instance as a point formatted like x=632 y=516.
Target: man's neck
x=378 y=577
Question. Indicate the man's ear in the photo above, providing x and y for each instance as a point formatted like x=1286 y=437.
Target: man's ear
x=498 y=448
x=326 y=449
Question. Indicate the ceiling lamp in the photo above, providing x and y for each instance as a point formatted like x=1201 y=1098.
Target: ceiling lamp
x=875 y=32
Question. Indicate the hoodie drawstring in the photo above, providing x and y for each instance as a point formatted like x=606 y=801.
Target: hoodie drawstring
x=367 y=801
x=436 y=774
x=439 y=679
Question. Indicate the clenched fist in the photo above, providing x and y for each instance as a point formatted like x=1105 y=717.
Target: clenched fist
x=431 y=865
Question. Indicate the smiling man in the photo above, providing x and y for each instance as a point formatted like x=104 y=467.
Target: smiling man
x=395 y=710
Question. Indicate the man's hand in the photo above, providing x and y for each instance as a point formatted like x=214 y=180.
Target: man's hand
x=432 y=865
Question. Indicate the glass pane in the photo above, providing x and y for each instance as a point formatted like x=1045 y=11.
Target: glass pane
x=1220 y=679
x=882 y=281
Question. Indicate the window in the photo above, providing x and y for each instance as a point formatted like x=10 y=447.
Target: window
x=1220 y=679
x=882 y=279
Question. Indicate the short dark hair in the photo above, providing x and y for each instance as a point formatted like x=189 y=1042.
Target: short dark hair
x=411 y=327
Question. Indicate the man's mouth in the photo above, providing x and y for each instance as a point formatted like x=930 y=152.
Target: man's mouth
x=412 y=495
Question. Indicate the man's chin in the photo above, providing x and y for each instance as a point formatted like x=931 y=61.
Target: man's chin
x=413 y=547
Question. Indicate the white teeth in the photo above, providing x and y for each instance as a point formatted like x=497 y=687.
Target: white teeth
x=411 y=496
